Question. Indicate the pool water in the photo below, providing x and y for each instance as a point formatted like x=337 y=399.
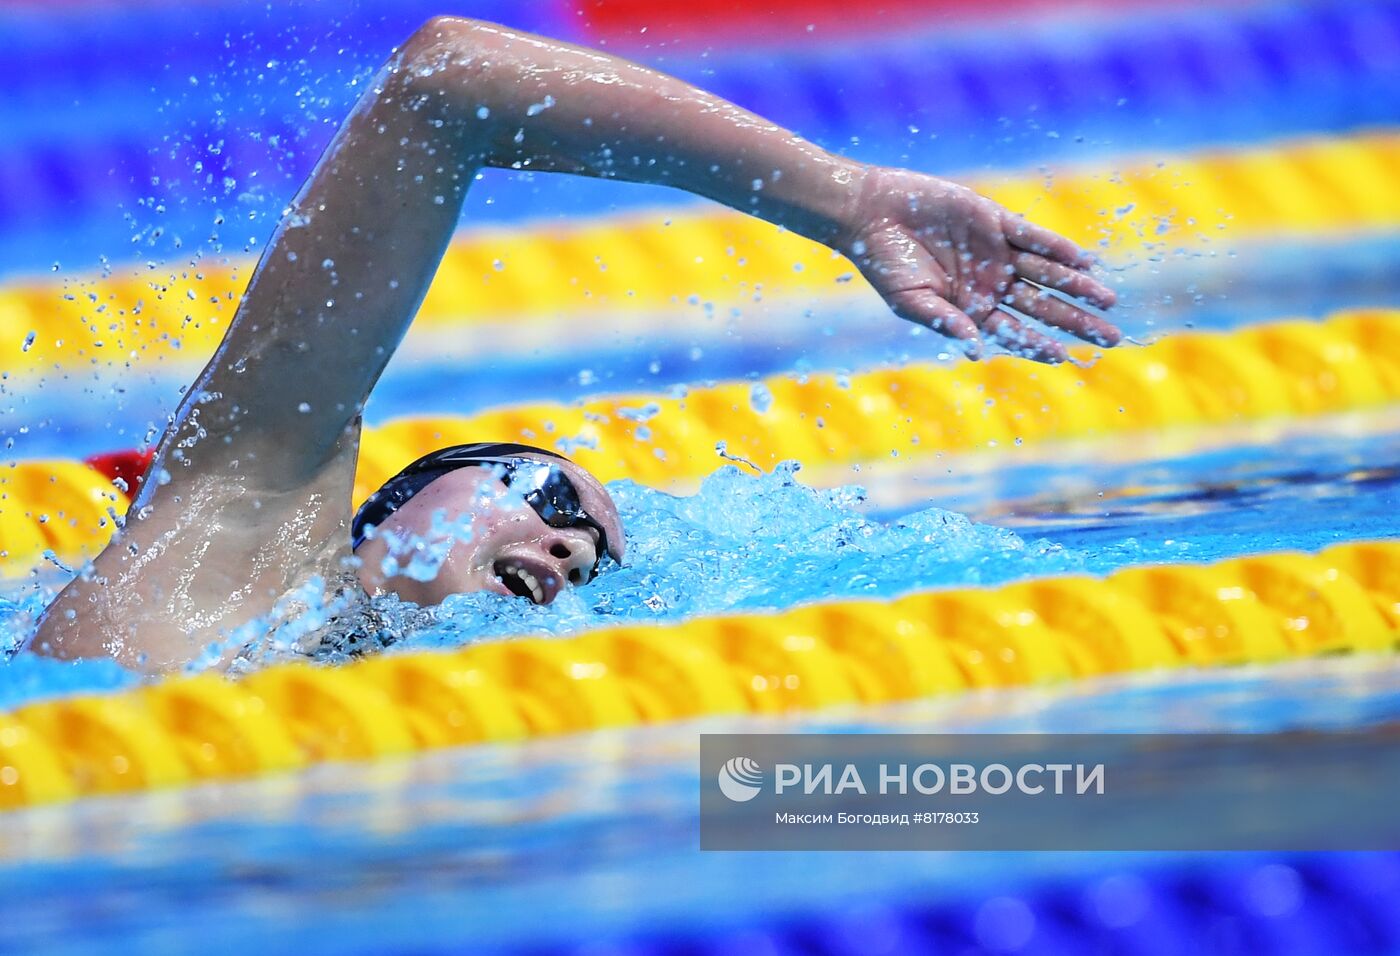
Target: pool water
x=463 y=850
x=588 y=843
x=459 y=850
x=749 y=541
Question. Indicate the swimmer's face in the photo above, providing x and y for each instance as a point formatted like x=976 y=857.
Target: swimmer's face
x=511 y=550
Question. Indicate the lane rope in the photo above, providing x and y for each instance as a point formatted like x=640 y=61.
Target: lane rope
x=1290 y=369
x=1256 y=609
x=636 y=266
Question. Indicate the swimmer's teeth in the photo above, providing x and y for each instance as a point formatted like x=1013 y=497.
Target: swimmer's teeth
x=531 y=582
x=534 y=585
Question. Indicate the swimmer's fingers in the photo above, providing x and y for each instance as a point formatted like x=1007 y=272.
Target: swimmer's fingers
x=906 y=274
x=929 y=309
x=1029 y=237
x=1054 y=311
x=1072 y=282
x=1020 y=339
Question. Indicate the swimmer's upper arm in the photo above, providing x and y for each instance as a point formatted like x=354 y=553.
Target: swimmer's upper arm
x=335 y=288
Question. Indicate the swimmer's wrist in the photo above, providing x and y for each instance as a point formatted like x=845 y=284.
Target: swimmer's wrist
x=827 y=205
x=836 y=205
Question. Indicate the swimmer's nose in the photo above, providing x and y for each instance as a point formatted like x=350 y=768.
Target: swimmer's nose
x=577 y=552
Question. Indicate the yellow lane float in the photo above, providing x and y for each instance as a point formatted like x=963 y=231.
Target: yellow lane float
x=1256 y=609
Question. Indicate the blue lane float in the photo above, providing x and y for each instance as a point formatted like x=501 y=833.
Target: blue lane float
x=1317 y=905
x=955 y=99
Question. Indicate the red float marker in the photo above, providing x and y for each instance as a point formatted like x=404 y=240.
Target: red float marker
x=130 y=466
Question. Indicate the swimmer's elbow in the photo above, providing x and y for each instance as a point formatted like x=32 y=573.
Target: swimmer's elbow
x=447 y=38
x=448 y=55
x=435 y=33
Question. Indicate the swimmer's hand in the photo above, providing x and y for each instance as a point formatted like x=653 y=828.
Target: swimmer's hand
x=947 y=258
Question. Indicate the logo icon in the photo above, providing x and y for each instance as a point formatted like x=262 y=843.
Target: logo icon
x=740 y=779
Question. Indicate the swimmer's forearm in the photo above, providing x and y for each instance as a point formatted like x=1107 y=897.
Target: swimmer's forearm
x=543 y=105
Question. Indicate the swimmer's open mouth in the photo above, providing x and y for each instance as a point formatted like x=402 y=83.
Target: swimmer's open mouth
x=528 y=579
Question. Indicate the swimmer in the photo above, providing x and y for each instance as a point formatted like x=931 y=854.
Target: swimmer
x=249 y=493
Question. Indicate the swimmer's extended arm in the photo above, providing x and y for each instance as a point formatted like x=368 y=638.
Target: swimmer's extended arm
x=251 y=484
x=940 y=254
x=340 y=282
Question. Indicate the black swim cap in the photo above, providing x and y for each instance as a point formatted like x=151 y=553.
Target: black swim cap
x=396 y=492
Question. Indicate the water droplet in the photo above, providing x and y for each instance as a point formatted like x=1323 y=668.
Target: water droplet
x=761 y=398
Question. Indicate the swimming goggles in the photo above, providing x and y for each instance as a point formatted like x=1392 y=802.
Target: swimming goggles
x=544 y=486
